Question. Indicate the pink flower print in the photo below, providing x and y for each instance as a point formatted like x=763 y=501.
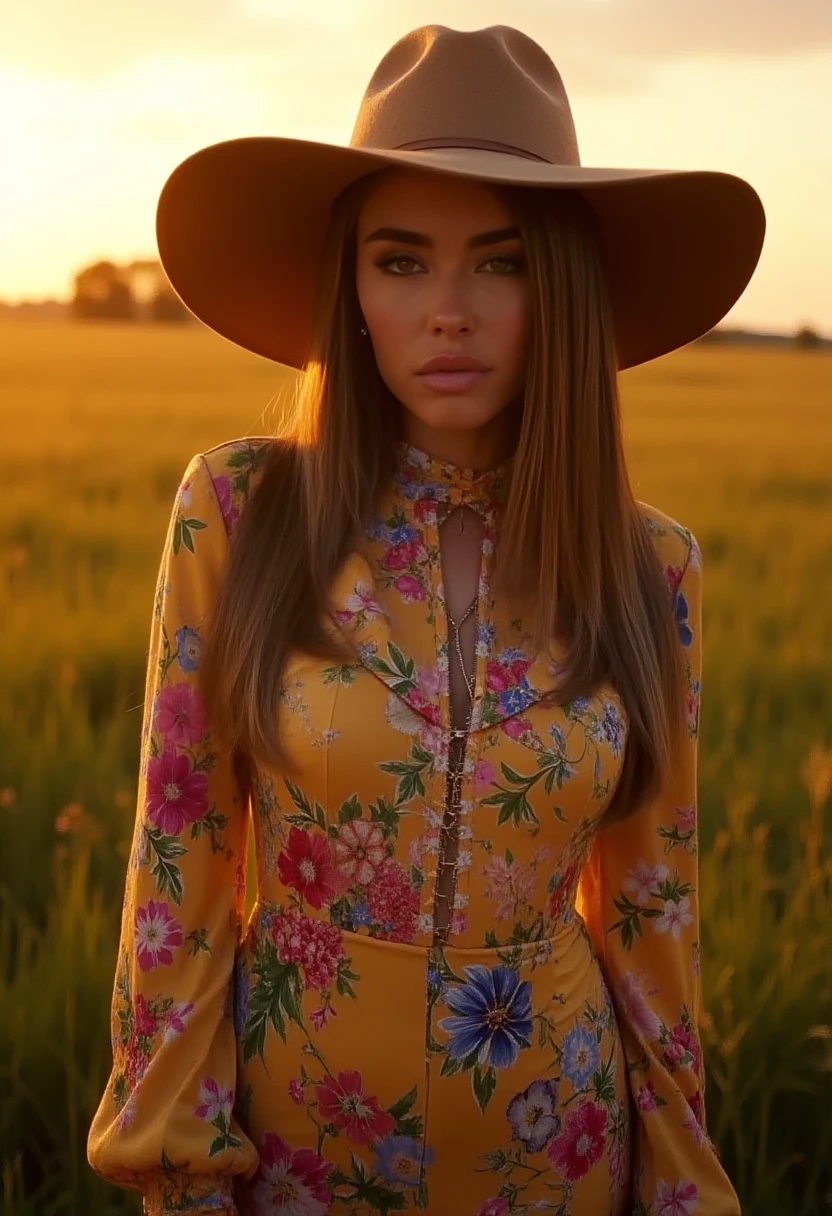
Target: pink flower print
x=636 y=1008
x=407 y=553
x=515 y=727
x=410 y=589
x=359 y=850
x=493 y=1207
x=427 y=679
x=508 y=885
x=144 y=1020
x=216 y=1100
x=320 y=1017
x=643 y=880
x=484 y=776
x=156 y=934
x=697 y=1107
x=363 y=600
x=175 y=794
x=177 y=1019
x=424 y=509
x=685 y=819
x=431 y=739
x=225 y=497
x=297 y=1091
x=393 y=903
x=581 y=1143
x=673 y=575
x=305 y=864
x=344 y=1103
x=674 y=917
x=498 y=678
x=684 y=1042
x=289 y=1183
x=681 y=1199
x=180 y=715
x=646 y=1099
x=314 y=944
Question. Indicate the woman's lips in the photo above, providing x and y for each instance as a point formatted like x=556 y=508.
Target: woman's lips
x=452 y=382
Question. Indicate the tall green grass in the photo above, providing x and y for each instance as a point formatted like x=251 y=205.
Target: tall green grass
x=101 y=422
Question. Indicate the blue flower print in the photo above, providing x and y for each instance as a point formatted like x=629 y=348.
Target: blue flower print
x=511 y=654
x=515 y=700
x=377 y=530
x=400 y=1160
x=685 y=631
x=532 y=1115
x=402 y=534
x=581 y=1056
x=360 y=915
x=613 y=728
x=189 y=648
x=494 y=1016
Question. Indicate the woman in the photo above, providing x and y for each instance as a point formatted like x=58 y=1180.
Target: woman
x=452 y=671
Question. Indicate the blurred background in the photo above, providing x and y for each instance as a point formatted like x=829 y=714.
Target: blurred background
x=107 y=388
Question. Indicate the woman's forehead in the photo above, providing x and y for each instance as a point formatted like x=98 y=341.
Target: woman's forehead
x=420 y=200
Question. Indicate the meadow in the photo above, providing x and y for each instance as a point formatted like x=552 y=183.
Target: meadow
x=99 y=423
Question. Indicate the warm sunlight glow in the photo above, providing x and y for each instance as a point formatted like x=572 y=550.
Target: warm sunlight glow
x=93 y=126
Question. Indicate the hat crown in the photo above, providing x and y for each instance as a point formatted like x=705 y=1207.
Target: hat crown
x=493 y=88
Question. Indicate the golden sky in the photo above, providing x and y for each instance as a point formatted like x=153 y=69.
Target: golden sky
x=100 y=101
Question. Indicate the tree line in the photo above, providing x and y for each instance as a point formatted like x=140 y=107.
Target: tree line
x=137 y=291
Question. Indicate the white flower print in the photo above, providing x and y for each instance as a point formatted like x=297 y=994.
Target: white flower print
x=674 y=917
x=643 y=880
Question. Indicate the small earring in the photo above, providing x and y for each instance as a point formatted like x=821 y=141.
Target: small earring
x=364 y=332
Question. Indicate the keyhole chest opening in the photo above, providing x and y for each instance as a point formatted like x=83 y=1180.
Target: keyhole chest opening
x=461 y=531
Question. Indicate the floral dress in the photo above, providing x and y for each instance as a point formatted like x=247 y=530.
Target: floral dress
x=327 y=1056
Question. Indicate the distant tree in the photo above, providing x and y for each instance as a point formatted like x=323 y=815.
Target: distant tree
x=153 y=293
x=166 y=306
x=807 y=338
x=103 y=293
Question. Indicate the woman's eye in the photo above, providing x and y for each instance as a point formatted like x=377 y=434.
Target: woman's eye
x=510 y=264
x=396 y=258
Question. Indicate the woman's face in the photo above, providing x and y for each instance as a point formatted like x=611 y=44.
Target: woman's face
x=438 y=272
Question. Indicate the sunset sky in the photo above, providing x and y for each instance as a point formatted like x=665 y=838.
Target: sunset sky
x=100 y=101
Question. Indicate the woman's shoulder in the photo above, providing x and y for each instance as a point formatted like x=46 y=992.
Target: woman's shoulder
x=674 y=543
x=235 y=467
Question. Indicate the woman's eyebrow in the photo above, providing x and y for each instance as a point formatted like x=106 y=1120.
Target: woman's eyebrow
x=405 y=237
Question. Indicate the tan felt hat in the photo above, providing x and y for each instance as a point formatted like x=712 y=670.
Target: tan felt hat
x=241 y=224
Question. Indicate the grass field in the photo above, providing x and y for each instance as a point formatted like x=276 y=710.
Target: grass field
x=99 y=425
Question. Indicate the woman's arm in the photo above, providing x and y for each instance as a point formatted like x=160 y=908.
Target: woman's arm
x=165 y=1124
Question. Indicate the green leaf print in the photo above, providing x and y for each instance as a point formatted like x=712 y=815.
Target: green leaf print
x=351 y=809
x=309 y=816
x=484 y=1085
x=273 y=998
x=630 y=923
x=182 y=530
x=401 y=671
x=167 y=875
x=225 y=1139
x=343 y=674
x=409 y=773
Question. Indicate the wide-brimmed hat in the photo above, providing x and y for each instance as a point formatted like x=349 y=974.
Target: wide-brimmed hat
x=241 y=224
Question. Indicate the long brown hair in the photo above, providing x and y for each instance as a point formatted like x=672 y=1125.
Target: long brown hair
x=573 y=543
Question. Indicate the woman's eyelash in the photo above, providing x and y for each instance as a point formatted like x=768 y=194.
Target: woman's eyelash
x=514 y=262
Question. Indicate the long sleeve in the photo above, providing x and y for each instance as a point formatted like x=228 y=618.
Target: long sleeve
x=639 y=897
x=165 y=1124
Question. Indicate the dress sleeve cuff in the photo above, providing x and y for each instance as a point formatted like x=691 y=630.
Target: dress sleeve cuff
x=176 y=1193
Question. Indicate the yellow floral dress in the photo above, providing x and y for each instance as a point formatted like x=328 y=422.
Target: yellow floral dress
x=328 y=1056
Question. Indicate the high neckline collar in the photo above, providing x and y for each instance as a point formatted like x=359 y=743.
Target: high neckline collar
x=421 y=477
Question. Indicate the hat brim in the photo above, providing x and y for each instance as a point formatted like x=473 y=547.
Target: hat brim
x=241 y=226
